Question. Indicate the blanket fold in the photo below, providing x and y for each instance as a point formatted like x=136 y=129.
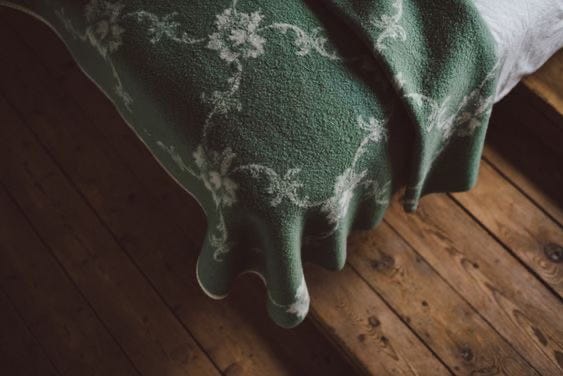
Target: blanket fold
x=441 y=61
x=291 y=123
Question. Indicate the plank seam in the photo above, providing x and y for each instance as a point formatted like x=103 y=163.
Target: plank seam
x=490 y=324
x=401 y=318
x=505 y=246
x=20 y=317
x=71 y=280
x=113 y=236
x=495 y=167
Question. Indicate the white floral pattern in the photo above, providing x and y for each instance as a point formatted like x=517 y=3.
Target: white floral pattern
x=451 y=121
x=375 y=128
x=307 y=43
x=440 y=117
x=300 y=305
x=337 y=206
x=219 y=240
x=389 y=26
x=239 y=37
x=105 y=33
x=171 y=150
x=464 y=118
x=214 y=170
x=164 y=27
x=280 y=187
x=373 y=189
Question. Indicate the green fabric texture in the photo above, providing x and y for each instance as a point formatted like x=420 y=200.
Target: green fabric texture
x=291 y=122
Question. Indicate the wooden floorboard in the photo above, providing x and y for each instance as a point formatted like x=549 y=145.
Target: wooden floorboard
x=364 y=326
x=494 y=282
x=456 y=333
x=53 y=309
x=466 y=285
x=149 y=333
x=20 y=352
x=519 y=224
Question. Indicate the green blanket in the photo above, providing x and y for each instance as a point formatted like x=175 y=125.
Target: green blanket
x=291 y=122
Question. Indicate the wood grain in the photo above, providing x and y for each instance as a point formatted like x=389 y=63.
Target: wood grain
x=20 y=353
x=62 y=321
x=496 y=284
x=364 y=326
x=518 y=223
x=149 y=333
x=456 y=333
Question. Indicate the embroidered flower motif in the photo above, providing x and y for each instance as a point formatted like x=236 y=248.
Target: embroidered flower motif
x=171 y=150
x=219 y=241
x=288 y=186
x=104 y=31
x=400 y=80
x=389 y=26
x=300 y=306
x=164 y=27
x=215 y=167
x=380 y=193
x=375 y=128
x=306 y=43
x=237 y=35
x=472 y=114
x=337 y=206
x=281 y=187
x=225 y=101
x=440 y=116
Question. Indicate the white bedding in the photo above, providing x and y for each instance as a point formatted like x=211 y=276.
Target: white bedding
x=527 y=33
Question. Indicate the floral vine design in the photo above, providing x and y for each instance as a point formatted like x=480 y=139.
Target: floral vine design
x=300 y=305
x=336 y=207
x=462 y=121
x=390 y=27
x=166 y=26
x=237 y=37
x=104 y=33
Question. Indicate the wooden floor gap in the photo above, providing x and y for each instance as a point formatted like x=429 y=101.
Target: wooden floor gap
x=505 y=246
x=18 y=313
x=61 y=266
x=490 y=324
x=104 y=224
x=519 y=189
x=392 y=309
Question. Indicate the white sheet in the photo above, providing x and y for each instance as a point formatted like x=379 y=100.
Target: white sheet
x=527 y=33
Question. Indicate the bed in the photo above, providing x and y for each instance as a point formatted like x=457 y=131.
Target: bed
x=526 y=33
x=294 y=123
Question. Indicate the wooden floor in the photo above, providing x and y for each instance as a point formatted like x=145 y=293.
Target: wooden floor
x=98 y=246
